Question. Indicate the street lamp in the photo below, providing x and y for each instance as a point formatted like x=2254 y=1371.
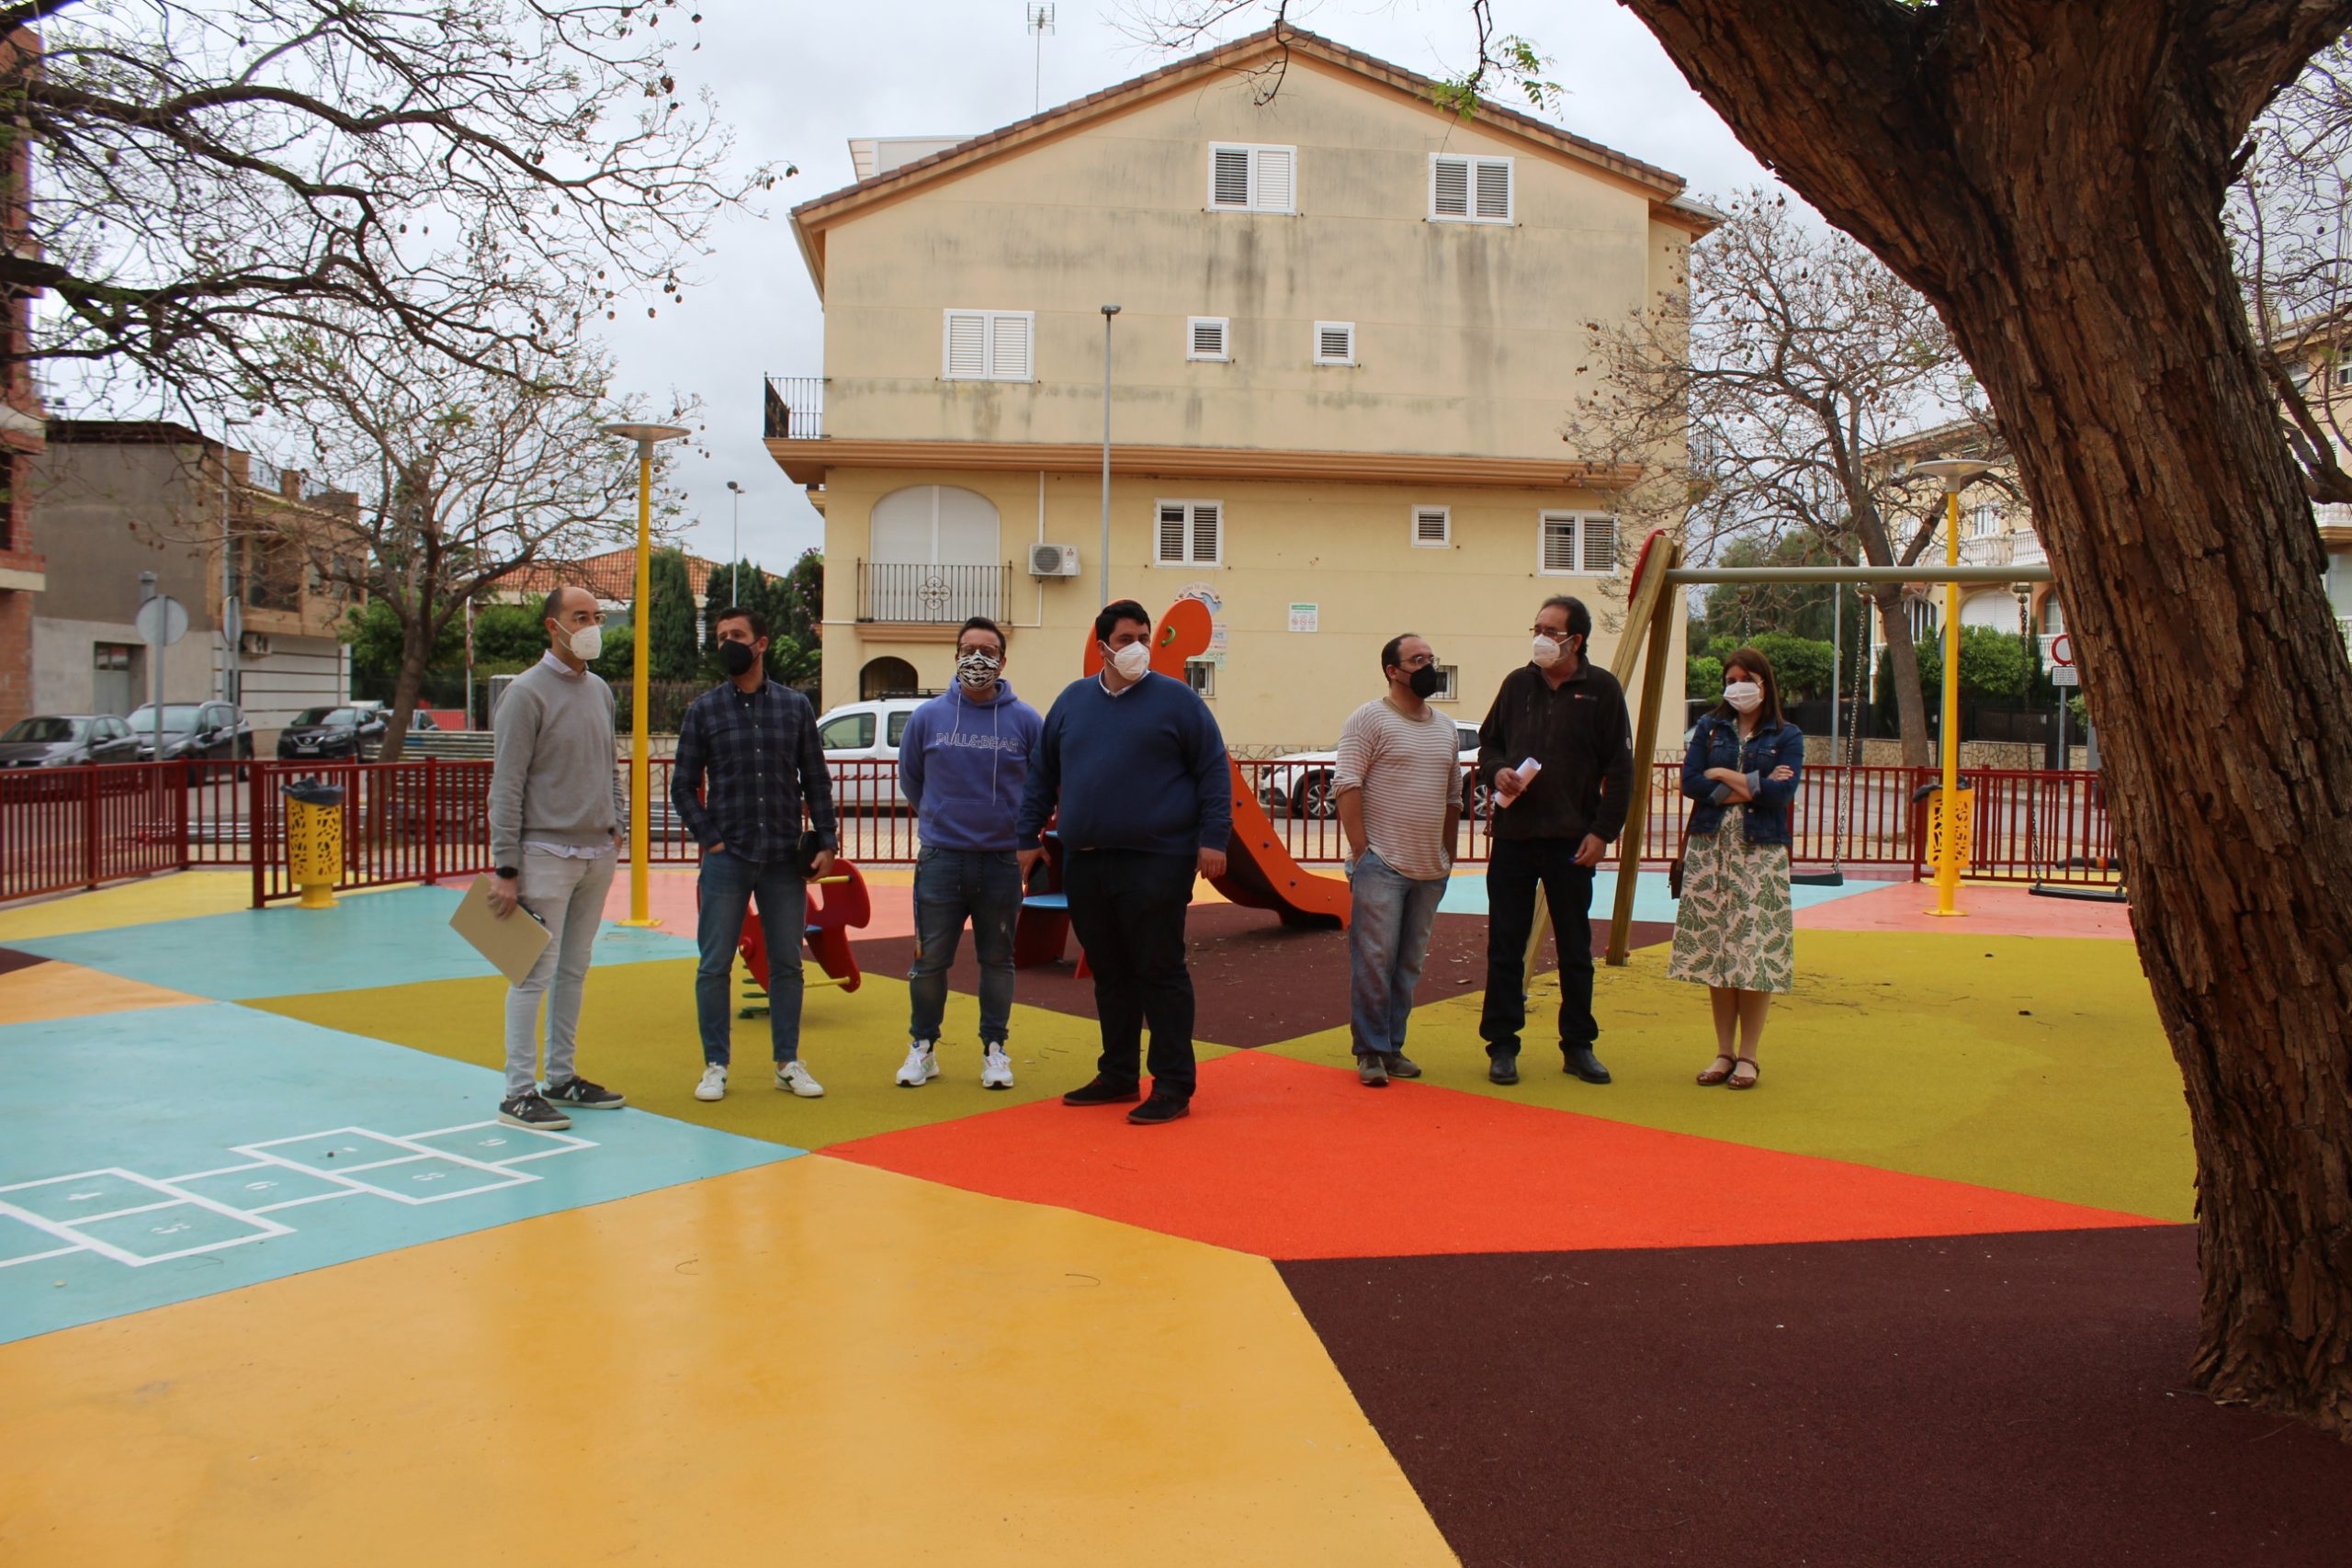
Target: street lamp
x=639 y=767
x=1108 y=312
x=1955 y=474
x=735 y=572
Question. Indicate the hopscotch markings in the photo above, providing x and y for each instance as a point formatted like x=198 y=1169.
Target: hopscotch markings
x=89 y=1212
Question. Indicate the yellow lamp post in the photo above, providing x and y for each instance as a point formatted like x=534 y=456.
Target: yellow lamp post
x=641 y=769
x=1955 y=475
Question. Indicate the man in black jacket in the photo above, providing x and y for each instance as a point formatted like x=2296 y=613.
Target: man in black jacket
x=1550 y=825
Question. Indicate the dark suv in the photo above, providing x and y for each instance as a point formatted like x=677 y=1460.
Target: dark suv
x=196 y=734
x=345 y=734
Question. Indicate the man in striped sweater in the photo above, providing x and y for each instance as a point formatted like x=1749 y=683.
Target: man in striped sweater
x=1399 y=785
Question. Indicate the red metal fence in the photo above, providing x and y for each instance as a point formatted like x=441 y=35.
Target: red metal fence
x=63 y=829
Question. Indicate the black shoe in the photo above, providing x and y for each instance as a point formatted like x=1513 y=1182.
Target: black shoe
x=1400 y=1066
x=1371 y=1070
x=533 y=1111
x=1502 y=1066
x=1103 y=1091
x=1579 y=1060
x=585 y=1095
x=1157 y=1108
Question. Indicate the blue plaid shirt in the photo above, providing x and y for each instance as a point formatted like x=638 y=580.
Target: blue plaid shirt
x=746 y=765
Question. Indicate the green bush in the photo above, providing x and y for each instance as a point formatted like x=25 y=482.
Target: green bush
x=1703 y=676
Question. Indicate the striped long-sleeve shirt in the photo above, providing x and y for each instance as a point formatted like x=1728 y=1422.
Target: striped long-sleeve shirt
x=1410 y=773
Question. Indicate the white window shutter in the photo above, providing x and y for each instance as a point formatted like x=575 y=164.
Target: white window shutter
x=1206 y=543
x=967 y=346
x=1430 y=526
x=1599 y=546
x=1559 y=544
x=1449 y=187
x=1172 y=535
x=1229 y=177
x=1008 y=348
x=1494 y=189
x=1270 y=179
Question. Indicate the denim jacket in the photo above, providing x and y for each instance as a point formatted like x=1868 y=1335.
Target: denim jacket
x=1716 y=744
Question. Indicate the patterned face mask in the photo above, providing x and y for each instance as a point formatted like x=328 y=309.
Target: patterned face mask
x=978 y=670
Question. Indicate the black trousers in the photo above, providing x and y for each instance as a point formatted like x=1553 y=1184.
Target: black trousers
x=1128 y=908
x=1518 y=867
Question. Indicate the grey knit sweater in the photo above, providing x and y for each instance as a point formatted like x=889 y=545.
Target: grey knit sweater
x=555 y=778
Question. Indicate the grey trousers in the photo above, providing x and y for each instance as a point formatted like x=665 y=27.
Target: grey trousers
x=568 y=896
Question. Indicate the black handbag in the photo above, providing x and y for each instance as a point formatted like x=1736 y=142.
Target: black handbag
x=805 y=853
x=1674 y=869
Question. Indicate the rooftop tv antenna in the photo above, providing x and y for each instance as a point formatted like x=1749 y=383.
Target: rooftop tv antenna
x=1040 y=23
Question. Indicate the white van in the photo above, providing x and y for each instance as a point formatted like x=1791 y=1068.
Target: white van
x=861 y=742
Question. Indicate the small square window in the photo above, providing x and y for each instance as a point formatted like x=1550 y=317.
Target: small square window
x=1433 y=527
x=1204 y=338
x=1449 y=682
x=1334 y=343
x=1201 y=676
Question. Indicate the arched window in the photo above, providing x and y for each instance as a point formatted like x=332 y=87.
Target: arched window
x=933 y=557
x=885 y=677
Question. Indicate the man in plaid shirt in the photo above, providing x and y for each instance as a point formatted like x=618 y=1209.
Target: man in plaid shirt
x=748 y=761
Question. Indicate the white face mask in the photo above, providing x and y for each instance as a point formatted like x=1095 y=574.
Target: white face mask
x=587 y=643
x=1546 y=652
x=1744 y=696
x=978 y=671
x=1131 y=661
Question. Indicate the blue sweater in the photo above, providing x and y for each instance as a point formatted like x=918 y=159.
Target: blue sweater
x=964 y=765
x=1144 y=770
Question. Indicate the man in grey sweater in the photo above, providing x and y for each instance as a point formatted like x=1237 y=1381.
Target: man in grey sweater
x=556 y=809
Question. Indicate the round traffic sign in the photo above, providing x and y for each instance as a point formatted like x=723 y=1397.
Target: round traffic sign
x=162 y=621
x=2062 y=650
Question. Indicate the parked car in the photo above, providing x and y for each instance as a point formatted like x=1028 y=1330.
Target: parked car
x=67 y=740
x=196 y=734
x=318 y=734
x=861 y=742
x=1299 y=784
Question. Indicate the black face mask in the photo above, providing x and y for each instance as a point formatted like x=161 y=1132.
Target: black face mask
x=736 y=658
x=1425 y=682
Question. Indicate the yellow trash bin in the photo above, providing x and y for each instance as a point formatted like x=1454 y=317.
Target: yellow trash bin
x=1952 y=829
x=314 y=841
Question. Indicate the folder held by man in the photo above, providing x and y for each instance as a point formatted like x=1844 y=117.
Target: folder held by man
x=513 y=944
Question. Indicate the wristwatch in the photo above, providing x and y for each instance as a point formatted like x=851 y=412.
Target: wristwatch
x=509 y=873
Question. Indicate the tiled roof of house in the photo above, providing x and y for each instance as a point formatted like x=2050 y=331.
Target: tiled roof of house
x=611 y=576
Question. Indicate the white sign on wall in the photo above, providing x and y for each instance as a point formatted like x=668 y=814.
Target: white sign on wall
x=1306 y=617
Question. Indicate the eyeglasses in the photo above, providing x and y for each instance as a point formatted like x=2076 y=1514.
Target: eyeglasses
x=1421 y=663
x=1557 y=634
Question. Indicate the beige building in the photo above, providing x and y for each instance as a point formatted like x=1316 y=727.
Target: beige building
x=1351 y=325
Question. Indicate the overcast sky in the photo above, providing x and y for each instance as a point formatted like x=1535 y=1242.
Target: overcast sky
x=797 y=81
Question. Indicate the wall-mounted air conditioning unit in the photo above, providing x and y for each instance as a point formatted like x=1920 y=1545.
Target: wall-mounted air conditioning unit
x=253 y=645
x=1053 y=560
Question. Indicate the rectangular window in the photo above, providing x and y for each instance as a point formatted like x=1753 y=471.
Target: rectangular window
x=1201 y=676
x=988 y=345
x=1469 y=190
x=1576 y=545
x=1433 y=527
x=1334 y=343
x=1448 y=679
x=1190 y=533
x=1204 y=338
x=1244 y=177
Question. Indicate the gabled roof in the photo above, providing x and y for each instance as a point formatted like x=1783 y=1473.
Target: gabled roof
x=611 y=576
x=812 y=218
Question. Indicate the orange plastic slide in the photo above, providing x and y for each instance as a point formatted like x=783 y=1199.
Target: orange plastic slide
x=1260 y=872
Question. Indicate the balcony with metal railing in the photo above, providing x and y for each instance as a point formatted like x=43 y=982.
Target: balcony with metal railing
x=795 y=408
x=2344 y=631
x=1989 y=549
x=921 y=593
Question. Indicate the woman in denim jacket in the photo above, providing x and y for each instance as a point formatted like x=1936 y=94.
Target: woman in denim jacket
x=1735 y=933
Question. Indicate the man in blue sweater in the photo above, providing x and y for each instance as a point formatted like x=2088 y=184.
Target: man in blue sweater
x=963 y=762
x=1135 y=767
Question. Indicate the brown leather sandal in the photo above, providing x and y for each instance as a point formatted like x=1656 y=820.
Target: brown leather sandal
x=1715 y=1075
x=1755 y=1072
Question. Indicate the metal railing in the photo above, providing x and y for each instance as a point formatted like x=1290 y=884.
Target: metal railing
x=427 y=820
x=916 y=592
x=2343 y=632
x=794 y=407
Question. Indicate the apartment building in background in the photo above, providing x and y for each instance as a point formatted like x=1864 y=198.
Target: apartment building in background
x=113 y=499
x=1350 y=329
x=23 y=571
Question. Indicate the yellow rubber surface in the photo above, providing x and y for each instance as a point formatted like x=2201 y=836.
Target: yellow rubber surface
x=809 y=1363
x=45 y=991
x=2034 y=1065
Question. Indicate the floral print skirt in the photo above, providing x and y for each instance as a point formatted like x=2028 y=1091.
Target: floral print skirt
x=1736 y=927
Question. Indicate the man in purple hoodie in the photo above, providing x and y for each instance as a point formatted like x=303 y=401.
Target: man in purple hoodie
x=964 y=761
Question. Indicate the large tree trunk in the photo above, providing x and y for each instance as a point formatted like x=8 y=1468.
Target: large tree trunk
x=1902 y=660
x=2050 y=173
x=418 y=635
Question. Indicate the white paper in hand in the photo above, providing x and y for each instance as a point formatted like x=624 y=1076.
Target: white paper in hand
x=1527 y=770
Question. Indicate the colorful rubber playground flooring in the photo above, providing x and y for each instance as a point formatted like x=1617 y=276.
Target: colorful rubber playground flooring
x=277 y=1288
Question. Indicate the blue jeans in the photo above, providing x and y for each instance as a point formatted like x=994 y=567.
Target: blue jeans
x=1388 y=937
x=729 y=884
x=951 y=885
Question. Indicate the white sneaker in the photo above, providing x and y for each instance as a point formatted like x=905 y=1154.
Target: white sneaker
x=714 y=1082
x=795 y=1076
x=996 y=1070
x=921 y=1065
